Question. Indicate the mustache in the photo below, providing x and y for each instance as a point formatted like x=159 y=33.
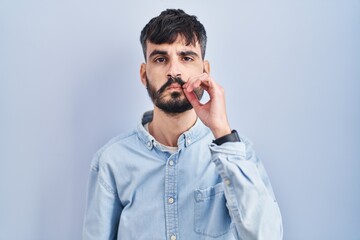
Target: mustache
x=170 y=81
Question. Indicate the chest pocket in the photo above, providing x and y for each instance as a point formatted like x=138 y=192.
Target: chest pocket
x=211 y=214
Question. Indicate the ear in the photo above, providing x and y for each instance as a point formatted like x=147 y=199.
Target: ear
x=143 y=73
x=206 y=67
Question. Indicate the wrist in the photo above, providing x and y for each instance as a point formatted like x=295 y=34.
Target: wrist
x=221 y=132
x=232 y=137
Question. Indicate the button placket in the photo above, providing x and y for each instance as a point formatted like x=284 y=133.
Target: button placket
x=171 y=213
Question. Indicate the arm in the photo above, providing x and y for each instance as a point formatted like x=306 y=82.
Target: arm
x=249 y=196
x=248 y=193
x=103 y=207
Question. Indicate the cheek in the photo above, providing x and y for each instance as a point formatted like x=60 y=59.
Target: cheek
x=198 y=68
x=152 y=73
x=154 y=81
x=156 y=75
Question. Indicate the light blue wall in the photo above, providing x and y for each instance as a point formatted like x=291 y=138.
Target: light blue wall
x=69 y=82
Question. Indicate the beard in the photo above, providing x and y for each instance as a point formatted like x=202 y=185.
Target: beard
x=177 y=103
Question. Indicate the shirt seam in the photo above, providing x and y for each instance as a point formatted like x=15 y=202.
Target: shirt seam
x=106 y=186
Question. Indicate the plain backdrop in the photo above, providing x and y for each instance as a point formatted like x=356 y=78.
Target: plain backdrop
x=69 y=81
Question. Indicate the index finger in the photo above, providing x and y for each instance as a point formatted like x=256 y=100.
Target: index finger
x=197 y=81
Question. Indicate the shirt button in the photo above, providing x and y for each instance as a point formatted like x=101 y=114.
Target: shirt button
x=199 y=196
x=149 y=144
x=171 y=200
x=227 y=182
x=172 y=237
x=188 y=141
x=171 y=163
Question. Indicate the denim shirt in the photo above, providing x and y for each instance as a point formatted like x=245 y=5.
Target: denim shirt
x=138 y=190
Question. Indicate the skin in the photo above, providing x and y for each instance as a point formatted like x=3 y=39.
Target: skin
x=177 y=59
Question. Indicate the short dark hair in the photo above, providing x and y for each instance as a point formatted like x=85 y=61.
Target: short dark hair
x=170 y=24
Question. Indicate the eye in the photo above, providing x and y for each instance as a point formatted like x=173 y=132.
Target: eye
x=160 y=60
x=187 y=59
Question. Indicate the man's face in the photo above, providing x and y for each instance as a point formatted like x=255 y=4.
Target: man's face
x=168 y=67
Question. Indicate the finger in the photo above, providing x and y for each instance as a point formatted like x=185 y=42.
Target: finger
x=193 y=79
x=195 y=83
x=193 y=99
x=191 y=85
x=206 y=84
x=201 y=76
x=212 y=87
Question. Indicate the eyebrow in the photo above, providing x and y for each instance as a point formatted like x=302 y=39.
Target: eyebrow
x=186 y=53
x=157 y=52
x=181 y=53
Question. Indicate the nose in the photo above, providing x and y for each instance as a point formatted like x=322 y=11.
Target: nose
x=174 y=69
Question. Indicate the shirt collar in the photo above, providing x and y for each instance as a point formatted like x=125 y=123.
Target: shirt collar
x=186 y=139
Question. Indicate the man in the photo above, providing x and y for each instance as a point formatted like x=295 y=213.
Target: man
x=183 y=173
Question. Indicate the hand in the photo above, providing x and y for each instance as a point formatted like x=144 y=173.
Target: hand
x=213 y=113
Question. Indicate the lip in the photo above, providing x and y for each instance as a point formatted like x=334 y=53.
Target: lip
x=174 y=86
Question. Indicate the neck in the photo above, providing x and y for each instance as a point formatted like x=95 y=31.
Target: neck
x=166 y=128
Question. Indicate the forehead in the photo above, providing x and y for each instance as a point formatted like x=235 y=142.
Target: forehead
x=178 y=45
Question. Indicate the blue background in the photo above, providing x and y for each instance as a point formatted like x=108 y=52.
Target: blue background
x=69 y=81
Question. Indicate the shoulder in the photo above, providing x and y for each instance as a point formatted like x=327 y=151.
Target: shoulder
x=114 y=147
